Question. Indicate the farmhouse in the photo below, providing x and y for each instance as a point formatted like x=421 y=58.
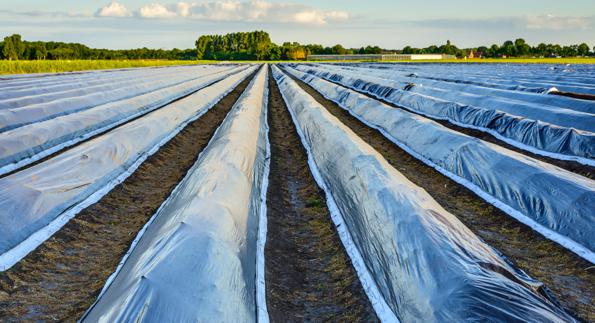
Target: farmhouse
x=379 y=57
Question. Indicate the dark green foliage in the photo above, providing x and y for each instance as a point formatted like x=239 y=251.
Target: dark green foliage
x=253 y=45
x=583 y=49
x=257 y=45
x=201 y=46
x=447 y=48
x=370 y=50
x=517 y=48
x=274 y=52
x=13 y=48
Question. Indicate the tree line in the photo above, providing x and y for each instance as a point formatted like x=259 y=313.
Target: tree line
x=14 y=48
x=517 y=48
x=257 y=45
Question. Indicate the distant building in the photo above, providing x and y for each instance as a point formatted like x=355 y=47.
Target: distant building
x=379 y=57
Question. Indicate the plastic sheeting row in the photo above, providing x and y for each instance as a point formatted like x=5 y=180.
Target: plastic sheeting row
x=533 y=135
x=24 y=145
x=427 y=265
x=40 y=79
x=555 y=202
x=196 y=261
x=25 y=110
x=557 y=110
x=38 y=201
x=27 y=94
x=517 y=77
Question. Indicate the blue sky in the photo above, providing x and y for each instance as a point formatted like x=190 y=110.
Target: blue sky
x=390 y=24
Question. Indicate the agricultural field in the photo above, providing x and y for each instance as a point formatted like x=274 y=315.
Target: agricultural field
x=54 y=66
x=515 y=60
x=57 y=66
x=298 y=191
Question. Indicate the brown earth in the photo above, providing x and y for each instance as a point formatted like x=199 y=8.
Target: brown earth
x=573 y=95
x=61 y=278
x=309 y=276
x=570 y=278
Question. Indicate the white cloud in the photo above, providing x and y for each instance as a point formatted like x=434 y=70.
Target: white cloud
x=183 y=8
x=230 y=10
x=319 y=17
x=263 y=11
x=114 y=9
x=337 y=15
x=155 y=10
x=310 y=17
x=551 y=22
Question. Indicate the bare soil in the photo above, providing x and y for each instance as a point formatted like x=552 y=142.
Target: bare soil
x=573 y=95
x=62 y=277
x=570 y=278
x=309 y=276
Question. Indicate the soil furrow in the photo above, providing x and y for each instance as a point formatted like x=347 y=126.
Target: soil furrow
x=575 y=167
x=581 y=96
x=61 y=278
x=309 y=276
x=569 y=277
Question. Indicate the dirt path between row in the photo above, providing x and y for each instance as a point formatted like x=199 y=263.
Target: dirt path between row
x=575 y=167
x=61 y=278
x=569 y=277
x=581 y=96
x=309 y=276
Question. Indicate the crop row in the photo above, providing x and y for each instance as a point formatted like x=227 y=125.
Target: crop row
x=67 y=140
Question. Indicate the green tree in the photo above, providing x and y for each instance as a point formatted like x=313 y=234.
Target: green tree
x=541 y=50
x=449 y=49
x=36 y=51
x=583 y=49
x=13 y=47
x=372 y=50
x=250 y=45
x=293 y=51
x=62 y=53
x=569 y=51
x=555 y=50
x=274 y=53
x=508 y=49
x=521 y=47
x=315 y=49
x=202 y=44
x=432 y=49
x=339 y=50
x=494 y=50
